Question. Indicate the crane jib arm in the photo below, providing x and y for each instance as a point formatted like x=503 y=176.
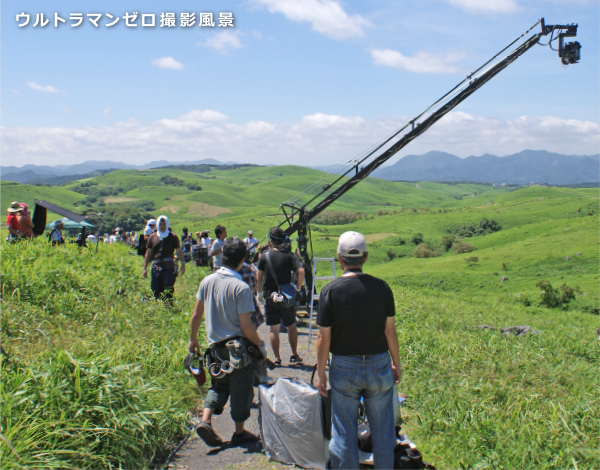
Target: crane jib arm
x=436 y=115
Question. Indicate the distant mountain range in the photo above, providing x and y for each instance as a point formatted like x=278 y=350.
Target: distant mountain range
x=528 y=166
x=58 y=174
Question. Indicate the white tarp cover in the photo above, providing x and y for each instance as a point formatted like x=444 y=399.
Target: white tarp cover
x=291 y=423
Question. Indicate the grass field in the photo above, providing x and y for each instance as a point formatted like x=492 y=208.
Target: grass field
x=105 y=376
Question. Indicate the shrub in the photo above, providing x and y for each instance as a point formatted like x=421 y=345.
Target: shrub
x=335 y=218
x=423 y=251
x=390 y=254
x=417 y=239
x=472 y=260
x=466 y=230
x=194 y=187
x=448 y=241
x=401 y=241
x=552 y=298
x=462 y=247
x=171 y=181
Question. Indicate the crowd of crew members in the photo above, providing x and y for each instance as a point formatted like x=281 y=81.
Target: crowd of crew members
x=246 y=274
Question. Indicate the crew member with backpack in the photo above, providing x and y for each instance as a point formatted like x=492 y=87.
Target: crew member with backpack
x=275 y=267
x=55 y=237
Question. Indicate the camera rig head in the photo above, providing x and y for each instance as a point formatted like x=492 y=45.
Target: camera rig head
x=569 y=53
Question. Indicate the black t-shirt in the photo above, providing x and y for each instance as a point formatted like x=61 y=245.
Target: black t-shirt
x=164 y=248
x=356 y=308
x=283 y=264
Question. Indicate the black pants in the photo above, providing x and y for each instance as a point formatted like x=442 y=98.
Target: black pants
x=162 y=283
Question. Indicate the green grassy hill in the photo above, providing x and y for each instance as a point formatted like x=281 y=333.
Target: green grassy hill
x=477 y=398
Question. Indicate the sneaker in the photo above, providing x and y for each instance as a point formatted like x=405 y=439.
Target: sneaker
x=295 y=359
x=208 y=435
x=244 y=438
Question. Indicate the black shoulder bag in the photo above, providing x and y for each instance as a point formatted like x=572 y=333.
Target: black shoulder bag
x=288 y=291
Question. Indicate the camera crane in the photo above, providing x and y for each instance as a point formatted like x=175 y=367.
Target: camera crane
x=332 y=186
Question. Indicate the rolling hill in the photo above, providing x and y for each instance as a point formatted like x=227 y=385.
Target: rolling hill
x=477 y=397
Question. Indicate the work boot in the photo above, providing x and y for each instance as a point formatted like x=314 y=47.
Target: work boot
x=208 y=435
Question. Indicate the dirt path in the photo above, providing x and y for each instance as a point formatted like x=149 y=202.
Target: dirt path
x=195 y=455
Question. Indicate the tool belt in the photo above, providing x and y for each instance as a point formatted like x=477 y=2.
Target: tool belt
x=238 y=357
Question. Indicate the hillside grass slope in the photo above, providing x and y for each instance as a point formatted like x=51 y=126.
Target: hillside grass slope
x=94 y=378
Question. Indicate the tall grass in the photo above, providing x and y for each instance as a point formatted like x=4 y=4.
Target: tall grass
x=95 y=377
x=481 y=399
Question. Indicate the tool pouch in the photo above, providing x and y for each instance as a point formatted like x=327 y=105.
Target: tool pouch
x=238 y=353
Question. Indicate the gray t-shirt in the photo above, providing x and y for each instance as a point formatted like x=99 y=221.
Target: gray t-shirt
x=218 y=259
x=225 y=296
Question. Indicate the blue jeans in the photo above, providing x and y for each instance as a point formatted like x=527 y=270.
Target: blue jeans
x=371 y=378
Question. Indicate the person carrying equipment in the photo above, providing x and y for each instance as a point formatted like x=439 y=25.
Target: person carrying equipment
x=356 y=324
x=161 y=248
x=275 y=267
x=227 y=301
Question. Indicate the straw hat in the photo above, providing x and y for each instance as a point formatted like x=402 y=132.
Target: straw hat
x=15 y=207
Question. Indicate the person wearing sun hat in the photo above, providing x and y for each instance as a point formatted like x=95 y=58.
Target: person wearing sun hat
x=12 y=221
x=356 y=321
x=55 y=236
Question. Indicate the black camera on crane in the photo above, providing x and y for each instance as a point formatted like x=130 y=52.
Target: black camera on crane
x=569 y=53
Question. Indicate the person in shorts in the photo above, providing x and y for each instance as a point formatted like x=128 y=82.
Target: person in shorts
x=283 y=264
x=226 y=303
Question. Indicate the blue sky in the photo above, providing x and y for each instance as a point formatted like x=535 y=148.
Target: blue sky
x=307 y=81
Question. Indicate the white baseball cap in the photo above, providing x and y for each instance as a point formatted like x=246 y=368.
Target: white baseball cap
x=250 y=232
x=352 y=244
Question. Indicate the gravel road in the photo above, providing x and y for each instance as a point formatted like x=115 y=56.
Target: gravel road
x=195 y=455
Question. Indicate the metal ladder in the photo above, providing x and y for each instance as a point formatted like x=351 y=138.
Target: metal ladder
x=314 y=296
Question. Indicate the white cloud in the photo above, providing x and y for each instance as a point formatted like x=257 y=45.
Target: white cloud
x=16 y=92
x=421 y=62
x=486 y=6
x=167 y=63
x=318 y=139
x=325 y=16
x=106 y=113
x=223 y=42
x=46 y=88
x=203 y=115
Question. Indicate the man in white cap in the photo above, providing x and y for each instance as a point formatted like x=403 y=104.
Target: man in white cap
x=250 y=241
x=356 y=324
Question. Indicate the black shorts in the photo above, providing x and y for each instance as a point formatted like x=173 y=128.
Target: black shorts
x=274 y=313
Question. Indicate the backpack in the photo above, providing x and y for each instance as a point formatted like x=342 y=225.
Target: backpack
x=54 y=242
